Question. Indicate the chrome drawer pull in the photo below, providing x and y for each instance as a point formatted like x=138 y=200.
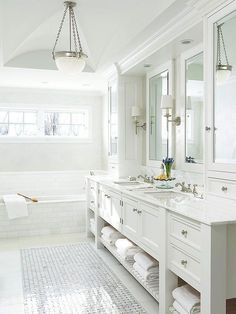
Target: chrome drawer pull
x=207 y=128
x=184 y=262
x=135 y=210
x=139 y=212
x=184 y=233
x=107 y=196
x=92 y=188
x=224 y=188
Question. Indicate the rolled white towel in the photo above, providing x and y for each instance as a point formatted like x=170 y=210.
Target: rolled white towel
x=111 y=239
x=124 y=244
x=179 y=308
x=145 y=260
x=146 y=275
x=188 y=298
x=128 y=253
x=109 y=230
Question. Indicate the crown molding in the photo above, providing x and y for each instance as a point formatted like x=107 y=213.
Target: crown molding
x=189 y=17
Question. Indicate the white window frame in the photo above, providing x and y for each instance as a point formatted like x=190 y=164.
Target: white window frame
x=40 y=116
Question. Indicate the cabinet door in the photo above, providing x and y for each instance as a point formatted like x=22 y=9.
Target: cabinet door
x=149 y=227
x=105 y=206
x=112 y=121
x=115 y=211
x=130 y=218
x=221 y=91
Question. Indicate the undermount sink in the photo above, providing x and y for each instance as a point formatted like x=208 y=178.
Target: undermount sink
x=127 y=183
x=170 y=195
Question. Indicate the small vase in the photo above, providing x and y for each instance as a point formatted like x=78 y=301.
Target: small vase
x=168 y=171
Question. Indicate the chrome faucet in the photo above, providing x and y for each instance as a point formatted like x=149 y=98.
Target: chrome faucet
x=187 y=189
x=146 y=179
x=183 y=187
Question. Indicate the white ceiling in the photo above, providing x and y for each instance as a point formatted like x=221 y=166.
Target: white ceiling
x=106 y=27
x=109 y=30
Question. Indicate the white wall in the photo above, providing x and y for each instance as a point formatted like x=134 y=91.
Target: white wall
x=53 y=156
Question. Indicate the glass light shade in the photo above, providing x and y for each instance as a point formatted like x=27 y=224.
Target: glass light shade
x=69 y=62
x=222 y=76
x=166 y=102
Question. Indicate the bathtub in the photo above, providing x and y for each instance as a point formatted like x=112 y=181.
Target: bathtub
x=54 y=214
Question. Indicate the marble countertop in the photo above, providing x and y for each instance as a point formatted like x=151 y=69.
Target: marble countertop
x=201 y=210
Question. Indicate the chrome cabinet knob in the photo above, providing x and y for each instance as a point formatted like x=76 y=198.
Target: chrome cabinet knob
x=135 y=210
x=184 y=233
x=224 y=188
x=139 y=212
x=184 y=262
x=92 y=202
x=92 y=188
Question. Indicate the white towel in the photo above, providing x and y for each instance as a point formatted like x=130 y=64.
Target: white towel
x=145 y=260
x=16 y=206
x=124 y=244
x=188 y=298
x=108 y=230
x=147 y=275
x=112 y=239
x=128 y=253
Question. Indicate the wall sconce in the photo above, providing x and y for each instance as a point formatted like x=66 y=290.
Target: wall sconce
x=135 y=113
x=167 y=104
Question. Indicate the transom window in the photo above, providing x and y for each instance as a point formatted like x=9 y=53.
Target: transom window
x=30 y=123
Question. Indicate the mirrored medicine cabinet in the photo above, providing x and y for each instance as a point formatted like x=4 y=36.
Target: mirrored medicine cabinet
x=158 y=83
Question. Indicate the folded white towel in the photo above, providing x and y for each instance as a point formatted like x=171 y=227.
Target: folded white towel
x=112 y=239
x=146 y=275
x=124 y=244
x=16 y=206
x=179 y=308
x=188 y=298
x=128 y=253
x=108 y=230
x=145 y=260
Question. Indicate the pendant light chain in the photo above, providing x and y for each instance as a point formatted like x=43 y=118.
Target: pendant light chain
x=59 y=31
x=220 y=38
x=73 y=31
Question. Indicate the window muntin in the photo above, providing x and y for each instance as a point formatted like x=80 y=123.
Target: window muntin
x=29 y=123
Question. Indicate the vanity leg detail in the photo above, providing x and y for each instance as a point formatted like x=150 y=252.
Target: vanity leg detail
x=213 y=269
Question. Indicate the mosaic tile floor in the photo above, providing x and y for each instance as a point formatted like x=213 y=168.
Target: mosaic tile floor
x=72 y=279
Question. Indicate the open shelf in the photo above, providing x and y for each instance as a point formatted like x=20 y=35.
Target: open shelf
x=152 y=288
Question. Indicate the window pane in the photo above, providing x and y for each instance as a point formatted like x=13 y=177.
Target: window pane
x=64 y=118
x=63 y=130
x=30 y=117
x=15 y=129
x=30 y=130
x=78 y=118
x=15 y=117
x=3 y=116
x=3 y=129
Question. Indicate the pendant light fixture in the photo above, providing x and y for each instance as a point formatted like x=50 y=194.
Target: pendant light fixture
x=71 y=61
x=223 y=71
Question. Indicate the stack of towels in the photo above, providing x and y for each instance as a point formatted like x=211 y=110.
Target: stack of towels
x=127 y=249
x=147 y=267
x=92 y=224
x=187 y=300
x=110 y=235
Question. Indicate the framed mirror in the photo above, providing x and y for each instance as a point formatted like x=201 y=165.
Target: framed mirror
x=192 y=86
x=159 y=82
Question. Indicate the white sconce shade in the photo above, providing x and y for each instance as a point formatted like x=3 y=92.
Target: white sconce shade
x=136 y=111
x=166 y=102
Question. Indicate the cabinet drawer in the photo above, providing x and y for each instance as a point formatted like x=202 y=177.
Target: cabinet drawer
x=185 y=230
x=223 y=188
x=184 y=265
